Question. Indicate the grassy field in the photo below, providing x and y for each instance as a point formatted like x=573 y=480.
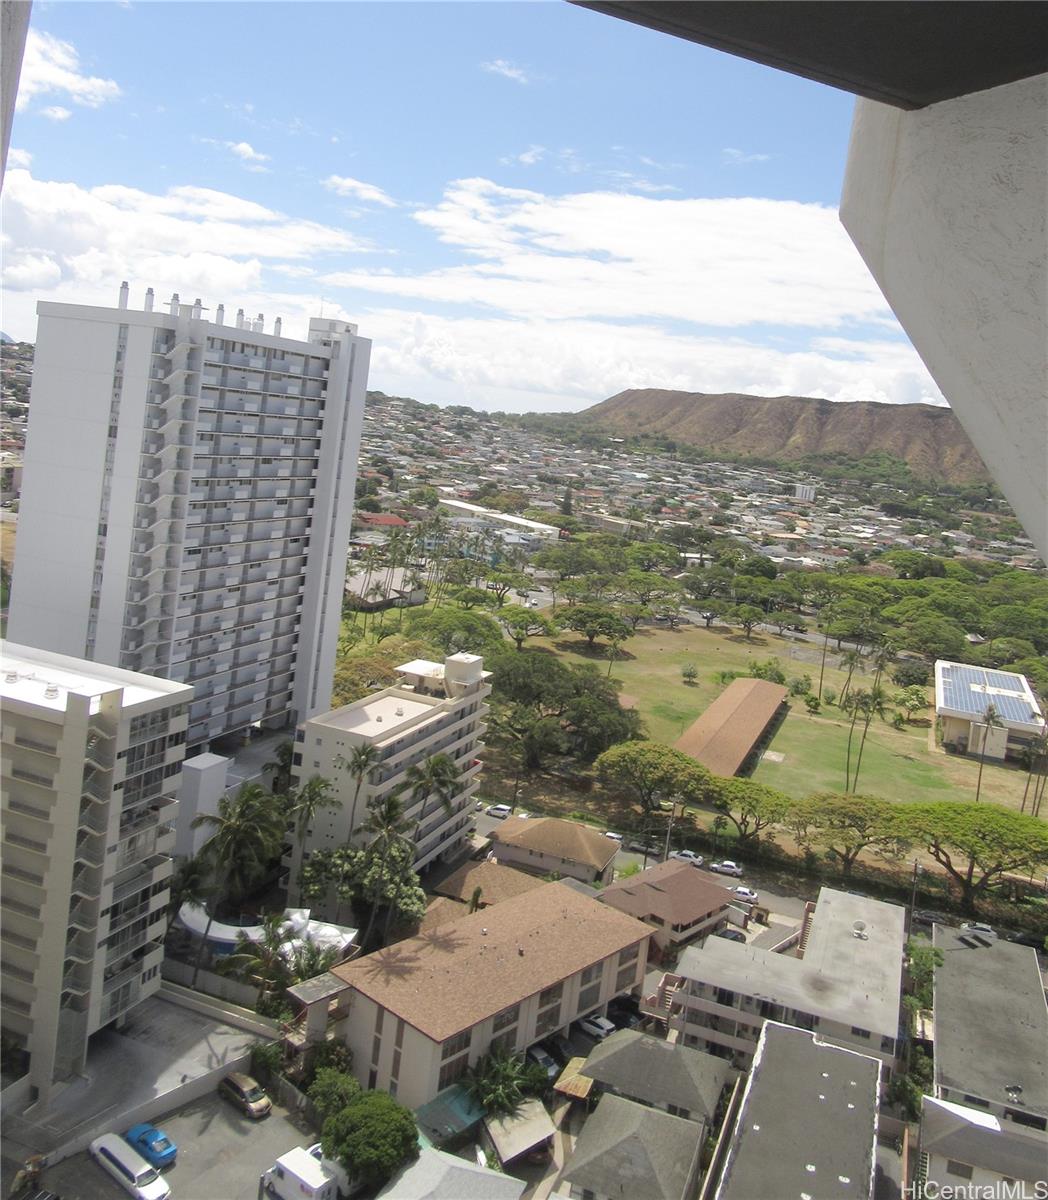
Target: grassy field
x=897 y=764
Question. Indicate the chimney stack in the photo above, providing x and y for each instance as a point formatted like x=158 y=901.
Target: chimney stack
x=220 y=315
x=174 y=304
x=122 y=303
x=149 y=299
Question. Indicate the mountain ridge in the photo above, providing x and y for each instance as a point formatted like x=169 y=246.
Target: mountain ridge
x=928 y=438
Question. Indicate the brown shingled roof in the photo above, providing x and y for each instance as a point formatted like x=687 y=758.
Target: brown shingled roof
x=449 y=979
x=727 y=731
x=496 y=883
x=674 y=891
x=562 y=839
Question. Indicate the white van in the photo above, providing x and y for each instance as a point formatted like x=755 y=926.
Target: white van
x=129 y=1168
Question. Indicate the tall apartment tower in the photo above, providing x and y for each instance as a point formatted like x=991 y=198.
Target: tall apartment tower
x=91 y=760
x=186 y=502
x=436 y=708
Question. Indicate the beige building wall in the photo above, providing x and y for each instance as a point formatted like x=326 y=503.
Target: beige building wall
x=390 y=1054
x=91 y=759
x=540 y=863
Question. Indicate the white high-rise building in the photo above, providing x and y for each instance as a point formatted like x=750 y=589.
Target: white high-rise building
x=436 y=708
x=91 y=760
x=186 y=502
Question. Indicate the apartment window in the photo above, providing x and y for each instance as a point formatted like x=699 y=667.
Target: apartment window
x=726 y=997
x=551 y=995
x=860 y=1033
x=504 y=1043
x=452 y=1072
x=629 y=955
x=961 y=1170
x=624 y=978
x=456 y=1044
x=887 y=1045
x=376 y=1048
x=506 y=1018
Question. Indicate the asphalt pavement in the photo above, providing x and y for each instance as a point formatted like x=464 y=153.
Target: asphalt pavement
x=221 y=1155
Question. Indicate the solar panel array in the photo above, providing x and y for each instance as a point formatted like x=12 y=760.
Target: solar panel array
x=959 y=694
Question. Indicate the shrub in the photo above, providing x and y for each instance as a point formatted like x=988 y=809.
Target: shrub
x=801 y=686
x=372 y=1137
x=267 y=1059
x=770 y=669
x=331 y=1091
x=910 y=672
x=689 y=673
x=829 y=695
x=812 y=703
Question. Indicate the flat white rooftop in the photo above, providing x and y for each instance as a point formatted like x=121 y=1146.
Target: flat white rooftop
x=46 y=679
x=423 y=667
x=855 y=980
x=378 y=716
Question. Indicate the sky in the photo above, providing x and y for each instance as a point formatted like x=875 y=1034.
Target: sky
x=526 y=206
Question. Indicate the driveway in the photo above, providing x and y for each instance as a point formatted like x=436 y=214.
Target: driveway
x=220 y=1157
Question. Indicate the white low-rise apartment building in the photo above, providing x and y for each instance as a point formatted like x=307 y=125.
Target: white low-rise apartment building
x=91 y=761
x=418 y=1014
x=436 y=708
x=843 y=981
x=186 y=502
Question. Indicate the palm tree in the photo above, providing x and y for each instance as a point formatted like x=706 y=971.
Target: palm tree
x=825 y=620
x=856 y=702
x=852 y=659
x=874 y=706
x=248 y=829
x=991 y=720
x=189 y=885
x=437 y=776
x=498 y=1082
x=1032 y=756
x=260 y=962
x=280 y=765
x=305 y=802
x=363 y=759
x=387 y=828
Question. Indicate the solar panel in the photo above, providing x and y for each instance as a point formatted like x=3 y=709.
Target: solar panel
x=963 y=690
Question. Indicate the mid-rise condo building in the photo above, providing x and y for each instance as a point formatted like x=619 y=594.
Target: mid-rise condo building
x=91 y=762
x=436 y=708
x=186 y=502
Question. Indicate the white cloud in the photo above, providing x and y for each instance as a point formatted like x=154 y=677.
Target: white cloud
x=78 y=243
x=739 y=158
x=508 y=70
x=18 y=158
x=55 y=112
x=51 y=66
x=550 y=365
x=728 y=263
x=246 y=152
x=252 y=159
x=528 y=158
x=343 y=185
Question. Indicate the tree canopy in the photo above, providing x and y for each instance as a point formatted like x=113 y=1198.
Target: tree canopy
x=654 y=772
x=371 y=1137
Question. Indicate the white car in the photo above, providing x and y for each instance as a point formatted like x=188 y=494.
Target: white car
x=596 y=1027
x=499 y=811
x=688 y=856
x=615 y=837
x=745 y=893
x=726 y=867
x=129 y=1168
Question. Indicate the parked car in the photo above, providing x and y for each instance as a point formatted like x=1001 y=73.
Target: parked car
x=745 y=893
x=927 y=916
x=247 y=1094
x=596 y=1027
x=640 y=847
x=479 y=806
x=499 y=811
x=560 y=1048
x=541 y=1058
x=1022 y=938
x=979 y=927
x=731 y=935
x=615 y=837
x=726 y=867
x=155 y=1147
x=624 y=1013
x=128 y=1168
x=688 y=856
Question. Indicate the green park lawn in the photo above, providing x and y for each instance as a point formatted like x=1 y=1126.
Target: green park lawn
x=896 y=764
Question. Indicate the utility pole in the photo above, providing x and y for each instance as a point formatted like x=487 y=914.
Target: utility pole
x=913 y=897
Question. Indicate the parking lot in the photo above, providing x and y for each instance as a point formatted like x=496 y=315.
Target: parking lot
x=221 y=1154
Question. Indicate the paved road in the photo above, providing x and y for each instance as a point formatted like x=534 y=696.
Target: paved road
x=221 y=1155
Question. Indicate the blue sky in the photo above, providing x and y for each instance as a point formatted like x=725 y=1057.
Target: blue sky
x=526 y=206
